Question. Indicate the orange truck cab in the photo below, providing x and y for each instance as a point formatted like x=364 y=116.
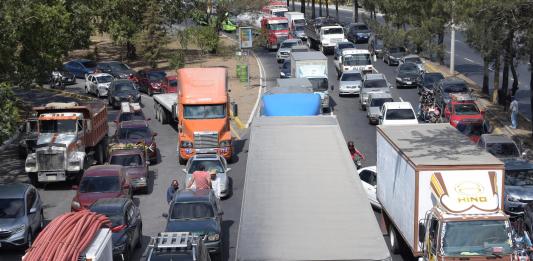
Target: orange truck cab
x=203 y=113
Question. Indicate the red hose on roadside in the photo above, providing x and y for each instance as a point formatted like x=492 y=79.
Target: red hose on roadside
x=66 y=236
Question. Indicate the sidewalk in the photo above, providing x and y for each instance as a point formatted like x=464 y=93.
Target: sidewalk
x=499 y=119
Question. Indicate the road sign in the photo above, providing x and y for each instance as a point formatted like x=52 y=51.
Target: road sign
x=245 y=37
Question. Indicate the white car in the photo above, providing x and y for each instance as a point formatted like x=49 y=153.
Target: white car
x=98 y=84
x=397 y=113
x=221 y=184
x=368 y=178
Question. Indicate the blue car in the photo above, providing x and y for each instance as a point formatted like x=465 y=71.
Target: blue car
x=80 y=67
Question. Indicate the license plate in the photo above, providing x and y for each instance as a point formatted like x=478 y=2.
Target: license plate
x=408 y=82
x=51 y=177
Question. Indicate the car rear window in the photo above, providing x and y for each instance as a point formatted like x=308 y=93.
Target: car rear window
x=400 y=114
x=455 y=88
x=192 y=210
x=351 y=77
x=99 y=184
x=379 y=83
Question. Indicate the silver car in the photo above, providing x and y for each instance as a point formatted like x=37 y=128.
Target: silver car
x=375 y=101
x=350 y=82
x=21 y=215
x=220 y=185
x=284 y=50
x=98 y=84
x=372 y=82
x=413 y=58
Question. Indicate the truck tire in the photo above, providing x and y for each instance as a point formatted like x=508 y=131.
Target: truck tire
x=164 y=116
x=394 y=239
x=99 y=153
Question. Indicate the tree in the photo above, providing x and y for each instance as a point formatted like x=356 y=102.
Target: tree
x=9 y=116
x=355 y=11
x=153 y=38
x=313 y=9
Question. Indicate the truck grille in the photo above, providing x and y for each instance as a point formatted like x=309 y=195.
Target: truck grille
x=50 y=161
x=205 y=140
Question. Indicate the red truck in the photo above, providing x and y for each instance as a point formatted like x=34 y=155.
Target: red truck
x=70 y=136
x=276 y=30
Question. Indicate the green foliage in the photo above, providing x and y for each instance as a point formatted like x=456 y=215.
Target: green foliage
x=153 y=38
x=9 y=116
x=177 y=60
x=206 y=38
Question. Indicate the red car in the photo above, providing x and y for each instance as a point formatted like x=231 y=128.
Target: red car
x=170 y=84
x=462 y=107
x=149 y=80
x=102 y=181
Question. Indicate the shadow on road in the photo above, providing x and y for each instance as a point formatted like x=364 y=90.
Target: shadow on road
x=12 y=167
x=469 y=69
x=226 y=225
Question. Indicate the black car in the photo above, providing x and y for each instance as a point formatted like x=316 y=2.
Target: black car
x=392 y=55
x=426 y=81
x=285 y=69
x=518 y=189
x=197 y=211
x=172 y=246
x=375 y=45
x=445 y=87
x=358 y=33
x=126 y=224
x=117 y=69
x=407 y=75
x=122 y=91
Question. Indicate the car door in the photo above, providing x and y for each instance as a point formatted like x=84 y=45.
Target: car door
x=33 y=216
x=131 y=224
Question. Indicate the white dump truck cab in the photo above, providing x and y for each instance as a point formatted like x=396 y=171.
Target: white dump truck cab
x=354 y=59
x=329 y=36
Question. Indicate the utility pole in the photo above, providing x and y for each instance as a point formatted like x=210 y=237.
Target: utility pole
x=452 y=44
x=319 y=8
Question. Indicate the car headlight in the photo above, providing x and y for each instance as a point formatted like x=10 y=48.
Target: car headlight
x=225 y=143
x=186 y=144
x=213 y=237
x=75 y=204
x=18 y=229
x=282 y=73
x=398 y=79
x=513 y=198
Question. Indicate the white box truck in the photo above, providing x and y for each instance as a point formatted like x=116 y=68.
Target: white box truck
x=302 y=200
x=441 y=195
x=314 y=67
x=297 y=24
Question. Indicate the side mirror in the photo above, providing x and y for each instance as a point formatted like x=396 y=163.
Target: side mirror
x=228 y=169
x=421 y=232
x=75 y=187
x=165 y=215
x=235 y=109
x=331 y=87
x=32 y=211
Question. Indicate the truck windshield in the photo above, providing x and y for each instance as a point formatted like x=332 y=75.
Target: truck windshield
x=522 y=177
x=216 y=111
x=379 y=102
x=400 y=114
x=57 y=126
x=280 y=26
x=192 y=210
x=467 y=238
x=279 y=13
x=288 y=44
x=319 y=84
x=334 y=30
x=358 y=59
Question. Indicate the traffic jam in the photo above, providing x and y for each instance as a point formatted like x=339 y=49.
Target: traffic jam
x=442 y=187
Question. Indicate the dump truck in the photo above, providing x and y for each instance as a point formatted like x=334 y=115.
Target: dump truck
x=291 y=209
x=441 y=195
x=70 y=137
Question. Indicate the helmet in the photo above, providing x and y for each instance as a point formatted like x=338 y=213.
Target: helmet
x=350 y=144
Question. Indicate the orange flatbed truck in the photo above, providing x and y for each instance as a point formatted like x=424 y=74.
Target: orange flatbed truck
x=201 y=110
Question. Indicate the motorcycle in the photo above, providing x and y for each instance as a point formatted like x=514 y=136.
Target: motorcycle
x=56 y=81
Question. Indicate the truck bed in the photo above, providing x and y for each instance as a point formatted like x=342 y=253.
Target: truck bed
x=166 y=100
x=302 y=197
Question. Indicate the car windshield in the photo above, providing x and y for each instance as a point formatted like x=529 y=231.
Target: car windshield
x=379 y=102
x=11 y=208
x=502 y=150
x=357 y=59
x=192 y=210
x=397 y=50
x=134 y=160
x=57 y=126
x=104 y=79
x=467 y=238
x=455 y=88
x=350 y=77
x=134 y=133
x=119 y=66
x=280 y=26
x=99 y=184
x=400 y=114
x=173 y=83
x=346 y=45
x=468 y=129
x=432 y=78
x=89 y=64
x=114 y=214
x=124 y=87
x=131 y=116
x=413 y=60
x=334 y=30
x=288 y=44
x=377 y=83
x=466 y=109
x=156 y=76
x=319 y=84
x=299 y=28
x=207 y=164
x=519 y=177
x=408 y=68
x=216 y=111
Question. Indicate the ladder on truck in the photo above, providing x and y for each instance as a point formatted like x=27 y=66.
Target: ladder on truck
x=175 y=242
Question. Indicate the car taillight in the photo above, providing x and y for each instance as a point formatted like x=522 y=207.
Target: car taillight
x=118 y=228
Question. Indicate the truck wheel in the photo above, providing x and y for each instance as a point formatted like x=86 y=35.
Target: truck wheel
x=182 y=161
x=34 y=180
x=99 y=153
x=321 y=47
x=164 y=116
x=394 y=240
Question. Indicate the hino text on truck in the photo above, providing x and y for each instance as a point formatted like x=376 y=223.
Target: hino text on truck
x=441 y=194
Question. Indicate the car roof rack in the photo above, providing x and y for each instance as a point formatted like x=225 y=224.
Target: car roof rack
x=172 y=240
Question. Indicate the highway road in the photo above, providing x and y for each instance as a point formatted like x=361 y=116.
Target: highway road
x=468 y=61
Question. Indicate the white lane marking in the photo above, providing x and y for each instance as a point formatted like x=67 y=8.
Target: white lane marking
x=259 y=92
x=469 y=60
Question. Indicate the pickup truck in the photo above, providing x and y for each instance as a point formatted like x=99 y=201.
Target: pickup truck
x=323 y=34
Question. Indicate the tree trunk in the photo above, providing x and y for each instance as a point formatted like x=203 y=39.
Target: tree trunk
x=337 y=9
x=496 y=83
x=327 y=8
x=289 y=4
x=505 y=83
x=130 y=50
x=319 y=8
x=485 y=88
x=531 y=85
x=515 y=79
x=355 y=11
x=302 y=6
x=313 y=14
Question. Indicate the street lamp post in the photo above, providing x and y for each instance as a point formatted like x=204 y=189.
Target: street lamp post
x=452 y=44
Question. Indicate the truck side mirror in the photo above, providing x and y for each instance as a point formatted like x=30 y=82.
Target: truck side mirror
x=421 y=232
x=175 y=111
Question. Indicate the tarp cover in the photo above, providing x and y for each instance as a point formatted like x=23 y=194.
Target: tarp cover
x=291 y=104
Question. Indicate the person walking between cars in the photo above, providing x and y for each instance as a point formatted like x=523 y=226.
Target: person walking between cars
x=514 y=113
x=174 y=186
x=200 y=178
